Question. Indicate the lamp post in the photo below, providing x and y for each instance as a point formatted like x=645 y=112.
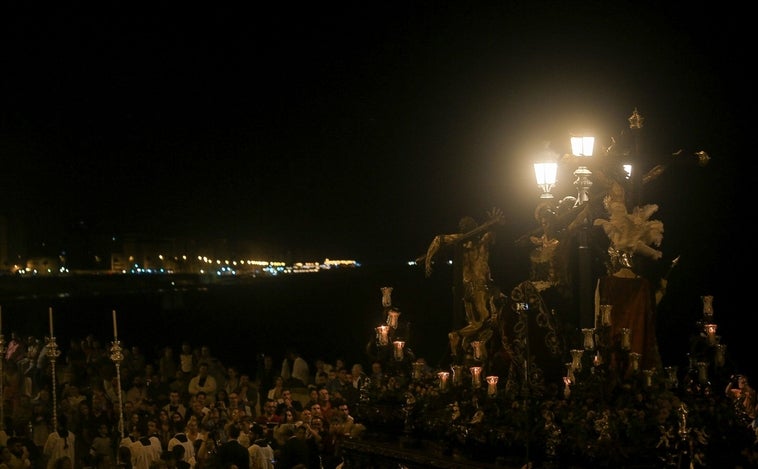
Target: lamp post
x=582 y=148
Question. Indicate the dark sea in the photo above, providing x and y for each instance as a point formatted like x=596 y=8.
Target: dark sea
x=329 y=314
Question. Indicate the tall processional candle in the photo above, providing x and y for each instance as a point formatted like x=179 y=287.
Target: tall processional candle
x=115 y=326
x=50 y=315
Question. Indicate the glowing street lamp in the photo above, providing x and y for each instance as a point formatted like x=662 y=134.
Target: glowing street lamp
x=546 y=174
x=582 y=147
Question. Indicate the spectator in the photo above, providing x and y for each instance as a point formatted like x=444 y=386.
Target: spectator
x=292 y=450
x=265 y=374
x=232 y=453
x=275 y=393
x=175 y=404
x=269 y=414
x=203 y=381
x=295 y=370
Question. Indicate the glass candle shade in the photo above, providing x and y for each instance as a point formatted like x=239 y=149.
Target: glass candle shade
x=476 y=376
x=597 y=360
x=444 y=377
x=418 y=370
x=576 y=359
x=566 y=387
x=626 y=338
x=710 y=333
x=707 y=306
x=398 y=347
x=672 y=381
x=648 y=374
x=605 y=315
x=386 y=296
x=491 y=385
x=634 y=361
x=476 y=347
x=589 y=339
x=392 y=317
x=457 y=374
x=382 y=335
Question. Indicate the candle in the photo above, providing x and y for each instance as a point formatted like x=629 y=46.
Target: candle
x=457 y=374
x=491 y=385
x=1 y=320
x=443 y=376
x=392 y=317
x=382 y=334
x=626 y=339
x=476 y=373
x=720 y=357
x=398 y=349
x=710 y=330
x=50 y=314
x=576 y=359
x=418 y=369
x=566 y=387
x=605 y=314
x=589 y=338
x=115 y=328
x=477 y=347
x=634 y=361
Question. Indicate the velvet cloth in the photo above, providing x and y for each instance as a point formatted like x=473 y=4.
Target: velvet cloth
x=533 y=339
x=633 y=307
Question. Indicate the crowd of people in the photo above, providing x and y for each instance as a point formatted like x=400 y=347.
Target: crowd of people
x=181 y=410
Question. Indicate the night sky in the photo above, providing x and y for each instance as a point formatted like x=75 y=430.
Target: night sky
x=353 y=131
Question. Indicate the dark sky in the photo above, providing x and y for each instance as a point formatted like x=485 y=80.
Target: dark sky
x=351 y=131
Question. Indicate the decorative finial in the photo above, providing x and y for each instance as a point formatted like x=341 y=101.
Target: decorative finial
x=636 y=120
